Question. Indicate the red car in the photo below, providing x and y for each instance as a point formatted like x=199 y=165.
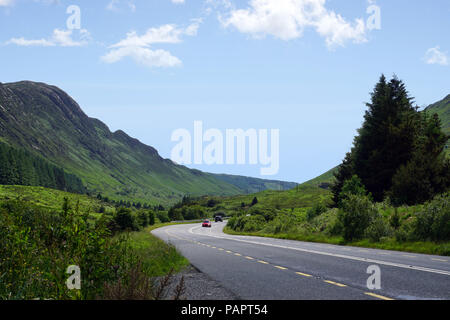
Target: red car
x=206 y=224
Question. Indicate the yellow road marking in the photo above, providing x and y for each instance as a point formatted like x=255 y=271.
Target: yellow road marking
x=335 y=283
x=263 y=262
x=238 y=254
x=249 y=258
x=214 y=247
x=303 y=274
x=377 y=296
x=229 y=251
x=442 y=260
x=281 y=268
x=221 y=249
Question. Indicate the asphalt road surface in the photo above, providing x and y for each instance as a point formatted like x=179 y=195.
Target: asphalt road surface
x=256 y=268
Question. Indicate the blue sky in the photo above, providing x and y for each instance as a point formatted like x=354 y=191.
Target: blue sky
x=305 y=67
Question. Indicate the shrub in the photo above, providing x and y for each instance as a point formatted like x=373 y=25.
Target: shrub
x=356 y=214
x=163 y=216
x=434 y=222
x=151 y=217
x=38 y=245
x=194 y=212
x=283 y=223
x=352 y=186
x=268 y=214
x=253 y=223
x=395 y=220
x=377 y=229
x=126 y=220
x=315 y=211
x=142 y=218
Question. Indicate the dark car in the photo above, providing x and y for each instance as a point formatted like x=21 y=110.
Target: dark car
x=218 y=219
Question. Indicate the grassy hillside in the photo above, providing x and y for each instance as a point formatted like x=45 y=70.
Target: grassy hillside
x=326 y=178
x=45 y=121
x=51 y=199
x=442 y=108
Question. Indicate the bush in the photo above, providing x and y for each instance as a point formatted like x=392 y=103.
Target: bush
x=283 y=223
x=352 y=186
x=176 y=214
x=315 y=211
x=434 y=222
x=151 y=217
x=142 y=218
x=377 y=229
x=38 y=245
x=163 y=216
x=268 y=214
x=247 y=223
x=356 y=214
x=253 y=223
x=404 y=233
x=126 y=220
x=194 y=213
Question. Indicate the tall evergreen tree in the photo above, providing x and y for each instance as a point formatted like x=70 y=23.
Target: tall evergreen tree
x=427 y=173
x=392 y=135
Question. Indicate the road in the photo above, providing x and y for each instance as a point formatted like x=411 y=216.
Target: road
x=256 y=268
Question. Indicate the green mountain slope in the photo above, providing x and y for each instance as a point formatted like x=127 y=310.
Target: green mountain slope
x=442 y=108
x=322 y=180
x=252 y=185
x=44 y=120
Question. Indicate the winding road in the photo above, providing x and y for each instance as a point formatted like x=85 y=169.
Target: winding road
x=256 y=268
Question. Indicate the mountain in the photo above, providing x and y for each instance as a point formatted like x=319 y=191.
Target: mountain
x=442 y=108
x=253 y=185
x=47 y=122
x=324 y=180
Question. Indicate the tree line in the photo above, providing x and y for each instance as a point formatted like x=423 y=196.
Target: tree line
x=19 y=167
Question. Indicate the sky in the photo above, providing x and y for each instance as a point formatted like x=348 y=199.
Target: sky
x=304 y=67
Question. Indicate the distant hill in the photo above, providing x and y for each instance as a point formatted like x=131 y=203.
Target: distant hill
x=253 y=185
x=47 y=122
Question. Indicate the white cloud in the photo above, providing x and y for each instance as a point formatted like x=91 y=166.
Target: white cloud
x=138 y=47
x=62 y=38
x=145 y=56
x=6 y=3
x=287 y=20
x=436 y=56
x=177 y=1
x=117 y=5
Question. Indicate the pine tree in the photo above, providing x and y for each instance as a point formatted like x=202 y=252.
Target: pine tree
x=385 y=141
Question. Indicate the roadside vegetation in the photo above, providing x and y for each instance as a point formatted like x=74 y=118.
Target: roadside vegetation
x=39 y=243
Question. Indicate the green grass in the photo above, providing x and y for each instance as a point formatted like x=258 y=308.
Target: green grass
x=303 y=196
x=158 y=256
